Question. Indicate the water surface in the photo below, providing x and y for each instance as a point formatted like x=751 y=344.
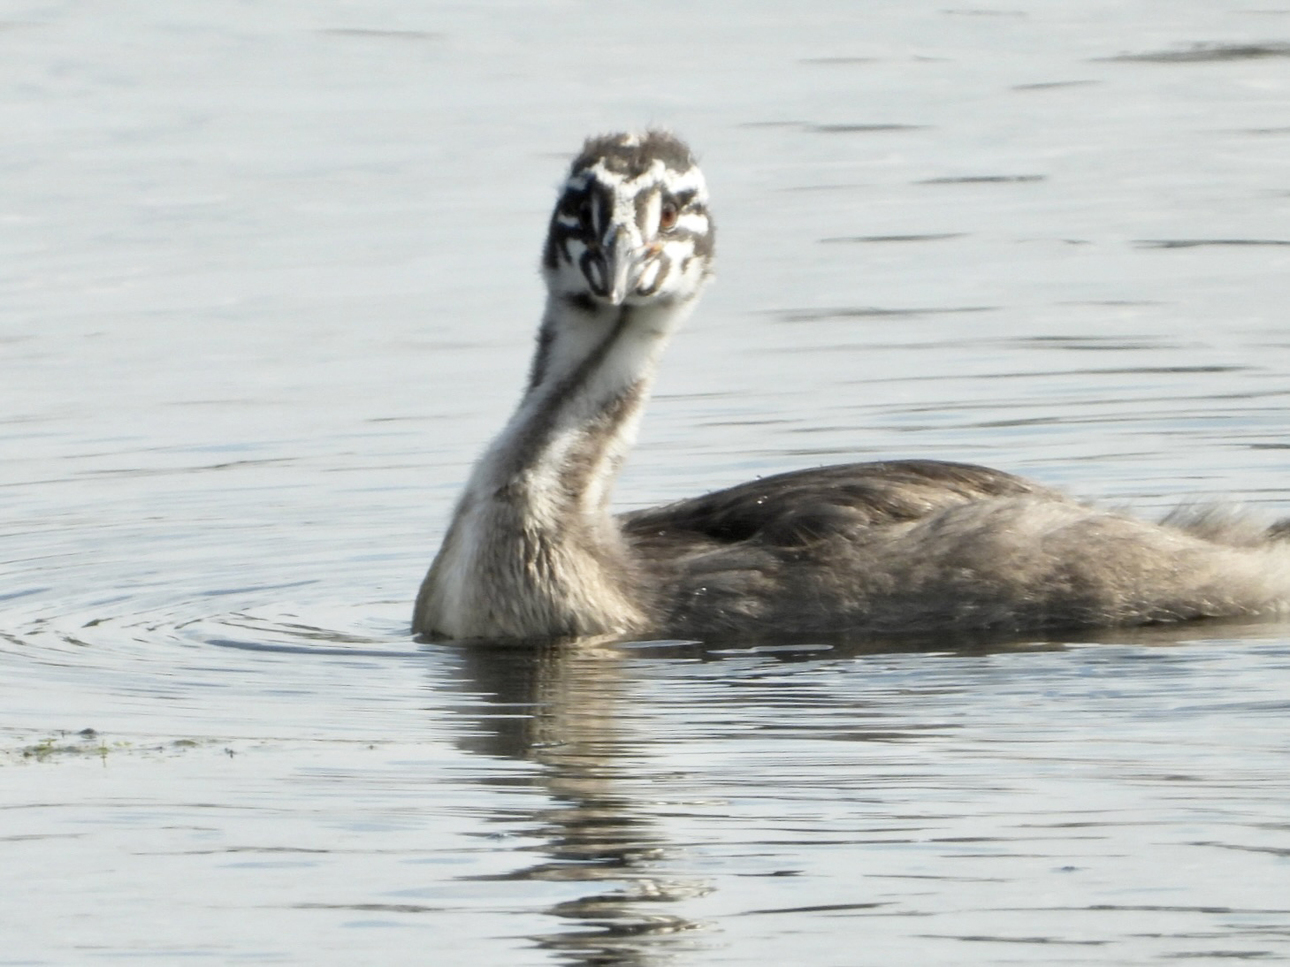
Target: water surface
x=269 y=284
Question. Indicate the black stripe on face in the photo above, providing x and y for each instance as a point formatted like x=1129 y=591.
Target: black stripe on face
x=591 y=207
x=682 y=199
x=592 y=267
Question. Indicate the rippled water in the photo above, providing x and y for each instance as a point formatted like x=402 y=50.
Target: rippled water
x=268 y=285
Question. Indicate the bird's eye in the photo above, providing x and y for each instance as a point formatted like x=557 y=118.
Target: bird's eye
x=667 y=216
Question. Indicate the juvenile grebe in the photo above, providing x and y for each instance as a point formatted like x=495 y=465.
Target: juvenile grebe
x=871 y=548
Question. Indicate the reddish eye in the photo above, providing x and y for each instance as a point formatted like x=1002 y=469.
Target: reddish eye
x=667 y=216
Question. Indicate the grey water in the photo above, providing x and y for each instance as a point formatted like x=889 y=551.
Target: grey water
x=267 y=285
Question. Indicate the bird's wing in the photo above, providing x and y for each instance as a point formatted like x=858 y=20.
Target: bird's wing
x=797 y=507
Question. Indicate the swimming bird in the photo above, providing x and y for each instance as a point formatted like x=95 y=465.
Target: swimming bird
x=887 y=548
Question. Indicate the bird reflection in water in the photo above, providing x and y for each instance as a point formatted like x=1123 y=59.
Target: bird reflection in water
x=565 y=708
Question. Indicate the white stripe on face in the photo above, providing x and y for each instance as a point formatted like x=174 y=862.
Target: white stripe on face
x=693 y=222
x=649 y=218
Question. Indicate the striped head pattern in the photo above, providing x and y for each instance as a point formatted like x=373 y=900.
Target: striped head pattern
x=631 y=226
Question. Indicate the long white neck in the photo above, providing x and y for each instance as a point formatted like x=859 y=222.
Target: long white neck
x=532 y=550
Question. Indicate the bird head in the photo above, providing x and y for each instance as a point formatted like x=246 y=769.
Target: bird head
x=631 y=226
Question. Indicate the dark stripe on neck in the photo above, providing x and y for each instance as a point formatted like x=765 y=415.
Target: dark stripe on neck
x=586 y=461
x=576 y=302
x=537 y=433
